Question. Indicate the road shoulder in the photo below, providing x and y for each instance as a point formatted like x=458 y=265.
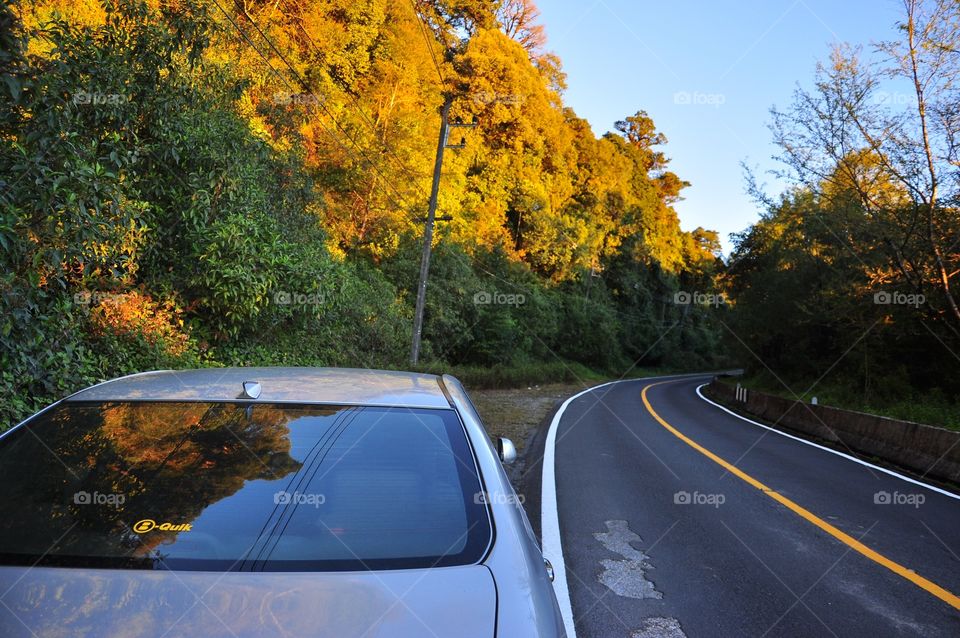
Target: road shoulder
x=524 y=415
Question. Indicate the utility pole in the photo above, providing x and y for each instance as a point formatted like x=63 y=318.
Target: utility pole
x=445 y=127
x=428 y=231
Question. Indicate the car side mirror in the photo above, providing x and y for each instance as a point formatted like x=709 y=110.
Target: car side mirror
x=506 y=450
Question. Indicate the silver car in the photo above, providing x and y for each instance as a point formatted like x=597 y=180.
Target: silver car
x=266 y=502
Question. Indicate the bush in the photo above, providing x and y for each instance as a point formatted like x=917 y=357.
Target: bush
x=133 y=332
x=43 y=354
x=53 y=346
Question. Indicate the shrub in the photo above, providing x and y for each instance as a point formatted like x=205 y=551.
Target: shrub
x=145 y=332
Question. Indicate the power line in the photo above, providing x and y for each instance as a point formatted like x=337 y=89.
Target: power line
x=304 y=85
x=303 y=82
x=426 y=39
x=371 y=125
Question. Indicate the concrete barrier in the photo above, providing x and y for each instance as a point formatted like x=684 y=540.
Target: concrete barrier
x=923 y=449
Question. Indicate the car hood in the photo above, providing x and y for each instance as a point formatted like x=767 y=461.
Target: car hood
x=48 y=601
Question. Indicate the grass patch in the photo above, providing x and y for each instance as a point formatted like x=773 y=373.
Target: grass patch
x=526 y=375
x=516 y=413
x=516 y=376
x=930 y=407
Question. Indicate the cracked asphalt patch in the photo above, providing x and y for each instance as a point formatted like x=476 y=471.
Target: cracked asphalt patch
x=625 y=577
x=659 y=628
x=628 y=578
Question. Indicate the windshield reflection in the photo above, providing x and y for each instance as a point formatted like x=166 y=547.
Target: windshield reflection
x=240 y=487
x=139 y=461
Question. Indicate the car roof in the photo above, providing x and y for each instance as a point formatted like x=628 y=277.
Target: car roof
x=343 y=386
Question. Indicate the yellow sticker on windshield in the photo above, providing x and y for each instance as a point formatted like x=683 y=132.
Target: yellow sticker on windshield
x=148 y=525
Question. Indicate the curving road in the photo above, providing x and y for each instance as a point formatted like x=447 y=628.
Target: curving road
x=673 y=517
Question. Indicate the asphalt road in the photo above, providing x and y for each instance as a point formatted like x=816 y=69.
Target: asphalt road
x=661 y=539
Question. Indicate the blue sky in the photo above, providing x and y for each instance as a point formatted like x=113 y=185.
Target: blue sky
x=707 y=72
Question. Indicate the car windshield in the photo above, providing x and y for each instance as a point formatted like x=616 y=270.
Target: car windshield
x=225 y=486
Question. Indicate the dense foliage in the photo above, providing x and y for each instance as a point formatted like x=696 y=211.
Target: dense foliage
x=846 y=287
x=209 y=182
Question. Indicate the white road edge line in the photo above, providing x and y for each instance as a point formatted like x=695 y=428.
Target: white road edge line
x=826 y=449
x=549 y=514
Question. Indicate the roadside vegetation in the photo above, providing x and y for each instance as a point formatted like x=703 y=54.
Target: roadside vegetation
x=516 y=375
x=932 y=407
x=847 y=284
x=205 y=182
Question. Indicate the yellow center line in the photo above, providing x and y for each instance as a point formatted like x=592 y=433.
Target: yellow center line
x=951 y=599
